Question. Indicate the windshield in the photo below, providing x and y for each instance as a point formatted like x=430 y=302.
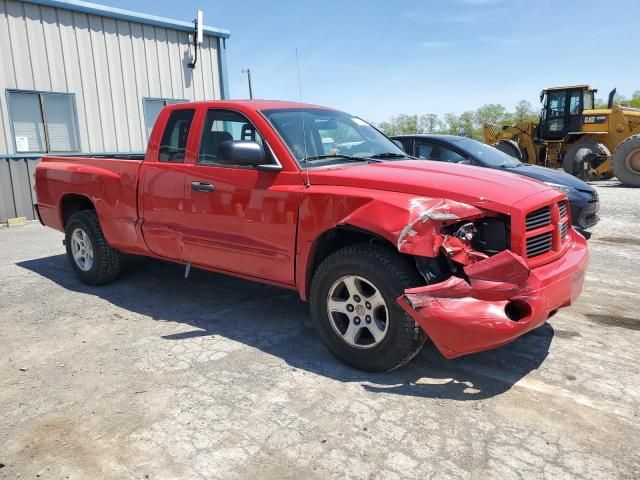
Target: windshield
x=332 y=137
x=485 y=154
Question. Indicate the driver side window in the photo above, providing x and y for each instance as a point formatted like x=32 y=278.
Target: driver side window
x=225 y=125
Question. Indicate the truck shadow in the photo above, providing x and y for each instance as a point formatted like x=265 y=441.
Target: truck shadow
x=276 y=322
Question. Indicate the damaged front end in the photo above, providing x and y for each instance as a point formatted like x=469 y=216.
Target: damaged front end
x=479 y=293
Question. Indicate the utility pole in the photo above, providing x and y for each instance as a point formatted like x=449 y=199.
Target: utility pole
x=248 y=72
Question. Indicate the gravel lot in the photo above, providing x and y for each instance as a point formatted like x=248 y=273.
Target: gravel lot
x=159 y=377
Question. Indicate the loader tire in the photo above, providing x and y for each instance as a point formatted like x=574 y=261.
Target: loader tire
x=355 y=290
x=626 y=161
x=92 y=259
x=511 y=148
x=573 y=160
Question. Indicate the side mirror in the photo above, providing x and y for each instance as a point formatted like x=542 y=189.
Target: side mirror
x=240 y=153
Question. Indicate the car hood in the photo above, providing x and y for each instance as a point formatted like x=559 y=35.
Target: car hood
x=481 y=187
x=545 y=174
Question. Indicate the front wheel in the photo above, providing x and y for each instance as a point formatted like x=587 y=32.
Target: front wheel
x=626 y=161
x=573 y=160
x=354 y=308
x=92 y=259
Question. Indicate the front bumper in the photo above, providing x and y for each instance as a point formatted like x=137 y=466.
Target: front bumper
x=502 y=300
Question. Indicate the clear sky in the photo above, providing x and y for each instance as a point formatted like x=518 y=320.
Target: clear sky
x=379 y=58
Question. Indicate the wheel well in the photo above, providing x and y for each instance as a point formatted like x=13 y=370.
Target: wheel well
x=337 y=238
x=73 y=203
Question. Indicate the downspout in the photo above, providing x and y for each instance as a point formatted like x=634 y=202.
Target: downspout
x=222 y=68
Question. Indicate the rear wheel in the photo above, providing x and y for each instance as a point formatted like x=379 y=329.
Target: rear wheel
x=354 y=309
x=92 y=259
x=573 y=160
x=626 y=161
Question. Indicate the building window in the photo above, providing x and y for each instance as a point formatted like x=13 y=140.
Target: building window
x=152 y=107
x=43 y=122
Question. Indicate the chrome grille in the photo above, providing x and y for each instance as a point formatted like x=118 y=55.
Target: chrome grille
x=539 y=244
x=564 y=229
x=563 y=208
x=538 y=218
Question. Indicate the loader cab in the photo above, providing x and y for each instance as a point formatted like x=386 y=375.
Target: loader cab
x=562 y=110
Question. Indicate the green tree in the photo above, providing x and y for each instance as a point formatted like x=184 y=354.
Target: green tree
x=467 y=124
x=450 y=124
x=492 y=113
x=523 y=112
x=618 y=98
x=386 y=128
x=429 y=123
x=406 y=124
x=470 y=123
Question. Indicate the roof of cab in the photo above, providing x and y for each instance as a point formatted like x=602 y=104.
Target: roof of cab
x=257 y=104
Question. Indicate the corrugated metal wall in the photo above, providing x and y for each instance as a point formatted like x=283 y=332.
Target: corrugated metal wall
x=17 y=195
x=110 y=65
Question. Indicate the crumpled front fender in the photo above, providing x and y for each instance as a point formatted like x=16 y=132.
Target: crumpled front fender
x=416 y=230
x=412 y=223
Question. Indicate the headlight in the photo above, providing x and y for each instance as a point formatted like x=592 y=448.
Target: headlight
x=466 y=232
x=486 y=235
x=562 y=188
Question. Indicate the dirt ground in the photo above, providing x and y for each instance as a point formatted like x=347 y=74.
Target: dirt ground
x=159 y=377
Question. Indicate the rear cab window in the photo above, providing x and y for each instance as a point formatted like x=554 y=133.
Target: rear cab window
x=173 y=144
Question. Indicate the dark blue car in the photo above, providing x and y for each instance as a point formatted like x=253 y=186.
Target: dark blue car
x=583 y=198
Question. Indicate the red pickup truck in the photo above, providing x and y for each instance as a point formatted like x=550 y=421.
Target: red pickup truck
x=388 y=250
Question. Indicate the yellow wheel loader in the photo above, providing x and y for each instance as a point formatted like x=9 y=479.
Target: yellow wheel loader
x=589 y=143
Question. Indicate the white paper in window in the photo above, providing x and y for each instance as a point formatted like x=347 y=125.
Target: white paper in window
x=22 y=144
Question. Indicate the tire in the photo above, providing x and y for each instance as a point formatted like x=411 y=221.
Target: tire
x=572 y=162
x=626 y=161
x=101 y=263
x=511 y=148
x=388 y=272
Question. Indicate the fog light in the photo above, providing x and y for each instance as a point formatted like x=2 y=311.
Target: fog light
x=517 y=310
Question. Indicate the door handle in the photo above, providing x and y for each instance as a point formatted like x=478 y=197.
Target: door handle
x=202 y=187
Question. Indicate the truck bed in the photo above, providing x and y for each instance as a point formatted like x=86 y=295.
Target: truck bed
x=110 y=182
x=107 y=156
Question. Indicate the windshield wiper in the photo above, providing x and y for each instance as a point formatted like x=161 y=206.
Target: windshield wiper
x=389 y=155
x=337 y=155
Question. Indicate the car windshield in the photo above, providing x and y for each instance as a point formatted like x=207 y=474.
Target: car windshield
x=318 y=137
x=485 y=154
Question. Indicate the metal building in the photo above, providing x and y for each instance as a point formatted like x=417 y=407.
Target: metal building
x=81 y=77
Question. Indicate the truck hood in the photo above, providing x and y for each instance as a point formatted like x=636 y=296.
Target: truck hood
x=482 y=187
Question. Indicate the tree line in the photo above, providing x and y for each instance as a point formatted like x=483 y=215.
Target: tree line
x=470 y=123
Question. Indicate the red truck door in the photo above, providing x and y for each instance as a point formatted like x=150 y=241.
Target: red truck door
x=162 y=183
x=241 y=219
